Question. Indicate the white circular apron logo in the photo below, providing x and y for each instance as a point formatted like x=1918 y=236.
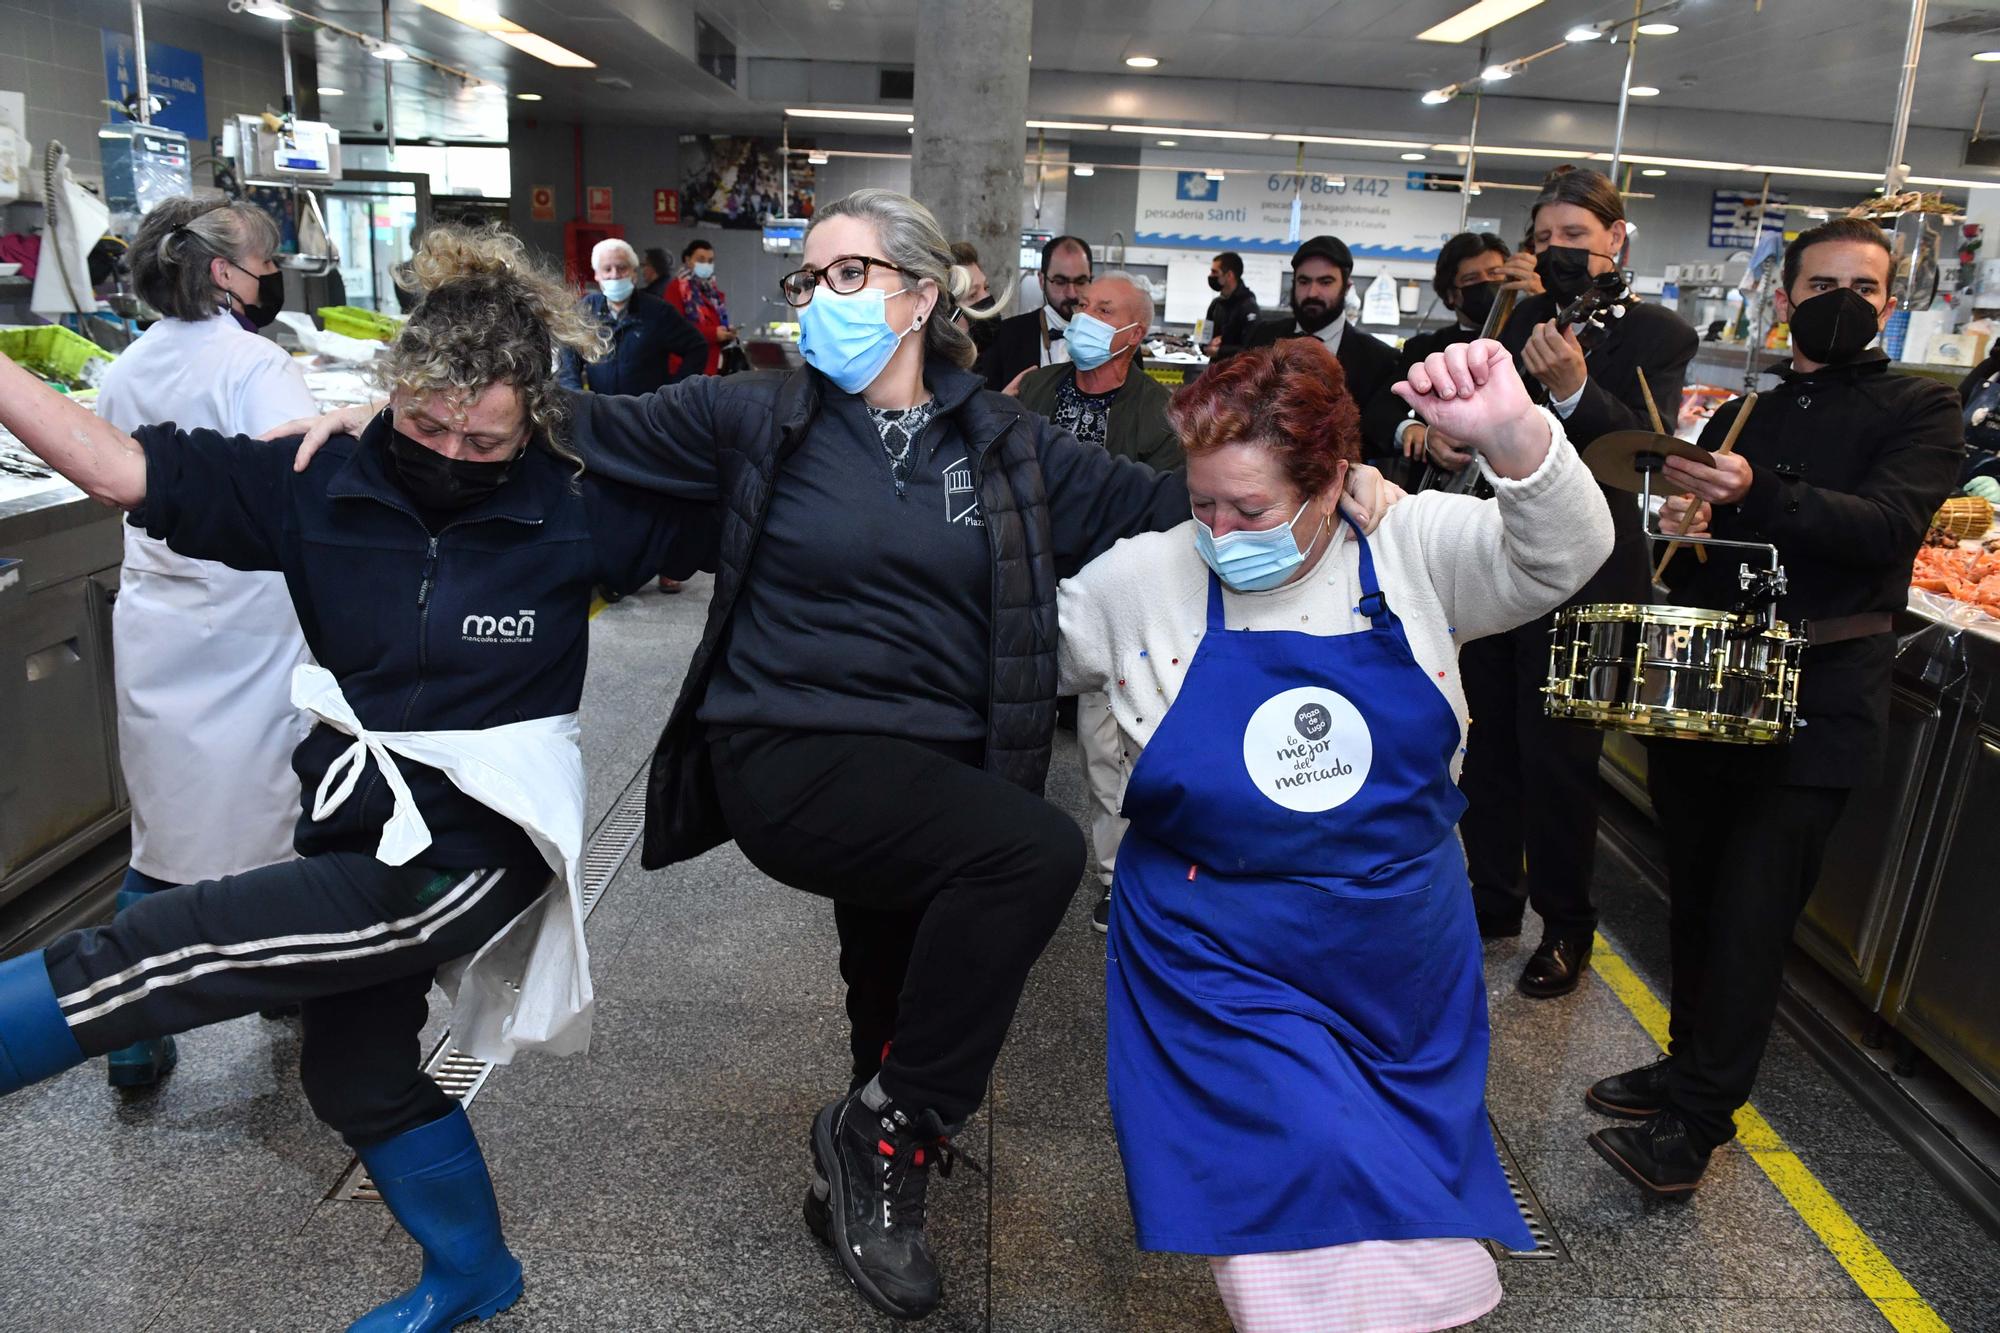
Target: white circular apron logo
x=1308 y=749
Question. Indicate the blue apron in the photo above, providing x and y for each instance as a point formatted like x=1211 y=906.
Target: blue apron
x=1298 y=1037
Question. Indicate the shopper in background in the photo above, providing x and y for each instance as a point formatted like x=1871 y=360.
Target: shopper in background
x=650 y=343
x=1840 y=467
x=655 y=271
x=1034 y=338
x=202 y=653
x=1532 y=782
x=1467 y=281
x=1232 y=314
x=976 y=317
x=1322 y=279
x=1105 y=397
x=1297 y=1036
x=695 y=294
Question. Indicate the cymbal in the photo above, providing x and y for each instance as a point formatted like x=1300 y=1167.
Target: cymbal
x=1612 y=458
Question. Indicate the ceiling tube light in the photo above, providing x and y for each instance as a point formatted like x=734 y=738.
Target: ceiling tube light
x=1060 y=124
x=1643 y=90
x=1496 y=73
x=1658 y=29
x=1170 y=143
x=1143 y=62
x=1213 y=175
x=1083 y=169
x=890 y=117
x=265 y=9
x=1654 y=171
x=332 y=92
x=528 y=97
x=1439 y=96
x=387 y=51
x=816 y=159
x=1413 y=157
x=1191 y=134
x=541 y=48
x=1352 y=143
x=1469 y=22
x=1583 y=34
x=1988 y=56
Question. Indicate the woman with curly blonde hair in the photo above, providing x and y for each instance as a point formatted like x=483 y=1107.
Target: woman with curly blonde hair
x=441 y=563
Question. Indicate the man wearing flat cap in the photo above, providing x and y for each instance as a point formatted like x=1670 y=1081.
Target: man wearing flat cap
x=1322 y=272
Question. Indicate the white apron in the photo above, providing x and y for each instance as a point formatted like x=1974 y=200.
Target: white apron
x=202 y=653
x=528 y=986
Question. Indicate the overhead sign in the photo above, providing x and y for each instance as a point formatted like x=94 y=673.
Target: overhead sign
x=1731 y=219
x=666 y=206
x=1382 y=212
x=542 y=203
x=173 y=77
x=597 y=204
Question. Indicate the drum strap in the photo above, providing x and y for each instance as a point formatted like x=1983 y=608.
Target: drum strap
x=1839 y=629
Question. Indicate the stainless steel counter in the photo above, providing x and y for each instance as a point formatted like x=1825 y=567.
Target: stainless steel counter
x=61 y=793
x=1907 y=913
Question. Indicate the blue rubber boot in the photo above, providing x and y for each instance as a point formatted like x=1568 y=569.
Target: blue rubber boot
x=434 y=1180
x=35 y=1041
x=143 y=1063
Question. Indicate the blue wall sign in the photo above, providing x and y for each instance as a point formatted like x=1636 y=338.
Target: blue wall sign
x=172 y=75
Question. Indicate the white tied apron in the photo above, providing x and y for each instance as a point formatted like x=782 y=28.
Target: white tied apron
x=528 y=986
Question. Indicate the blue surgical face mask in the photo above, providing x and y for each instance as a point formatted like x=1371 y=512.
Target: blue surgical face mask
x=1089 y=340
x=616 y=290
x=1252 y=561
x=848 y=338
x=704 y=270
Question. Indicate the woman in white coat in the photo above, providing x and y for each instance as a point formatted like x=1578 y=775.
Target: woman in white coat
x=203 y=653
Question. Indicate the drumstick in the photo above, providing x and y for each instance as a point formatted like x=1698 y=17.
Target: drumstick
x=1651 y=410
x=1728 y=446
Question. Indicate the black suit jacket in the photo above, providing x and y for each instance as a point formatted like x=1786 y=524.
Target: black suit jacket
x=1650 y=338
x=1371 y=367
x=1016 y=346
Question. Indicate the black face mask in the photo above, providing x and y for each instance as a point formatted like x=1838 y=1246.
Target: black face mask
x=270 y=296
x=437 y=482
x=1214 y=283
x=1476 y=303
x=1315 y=313
x=1564 y=271
x=1834 y=326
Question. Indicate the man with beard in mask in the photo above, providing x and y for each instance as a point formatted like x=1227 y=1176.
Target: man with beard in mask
x=1035 y=337
x=1840 y=467
x=1322 y=274
x=1467 y=280
x=1531 y=781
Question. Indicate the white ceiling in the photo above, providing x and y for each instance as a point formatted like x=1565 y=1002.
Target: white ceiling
x=1819 y=59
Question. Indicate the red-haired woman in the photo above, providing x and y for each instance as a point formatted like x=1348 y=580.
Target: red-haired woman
x=1297 y=1015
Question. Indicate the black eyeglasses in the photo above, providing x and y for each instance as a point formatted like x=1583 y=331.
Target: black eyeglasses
x=845 y=276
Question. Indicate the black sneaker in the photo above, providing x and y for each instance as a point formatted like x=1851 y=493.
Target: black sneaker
x=873 y=1169
x=1633 y=1095
x=1100 y=915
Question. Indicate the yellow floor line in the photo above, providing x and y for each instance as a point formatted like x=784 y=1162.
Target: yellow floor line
x=1871 y=1270
x=597 y=604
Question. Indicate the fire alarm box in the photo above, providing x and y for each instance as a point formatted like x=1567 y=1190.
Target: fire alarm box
x=579 y=238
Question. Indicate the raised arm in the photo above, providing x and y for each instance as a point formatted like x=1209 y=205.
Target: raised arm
x=1498 y=565
x=663 y=441
x=102 y=460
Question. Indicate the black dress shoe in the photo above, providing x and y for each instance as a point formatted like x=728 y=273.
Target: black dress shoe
x=1658 y=1155
x=1555 y=967
x=1632 y=1095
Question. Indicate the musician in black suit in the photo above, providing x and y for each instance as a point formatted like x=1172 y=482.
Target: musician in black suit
x=1322 y=273
x=1034 y=338
x=1467 y=281
x=1531 y=783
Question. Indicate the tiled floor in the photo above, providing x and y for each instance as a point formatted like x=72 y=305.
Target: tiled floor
x=654 y=1184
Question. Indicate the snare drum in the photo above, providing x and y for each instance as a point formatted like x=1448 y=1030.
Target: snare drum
x=1674 y=671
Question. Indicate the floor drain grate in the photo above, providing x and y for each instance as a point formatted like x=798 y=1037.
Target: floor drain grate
x=460 y=1074
x=1548 y=1245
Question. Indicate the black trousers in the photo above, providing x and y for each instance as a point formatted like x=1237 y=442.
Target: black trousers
x=1742 y=859
x=353 y=942
x=1531 y=787
x=948 y=883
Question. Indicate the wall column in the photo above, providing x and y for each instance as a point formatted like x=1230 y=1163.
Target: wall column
x=971 y=102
